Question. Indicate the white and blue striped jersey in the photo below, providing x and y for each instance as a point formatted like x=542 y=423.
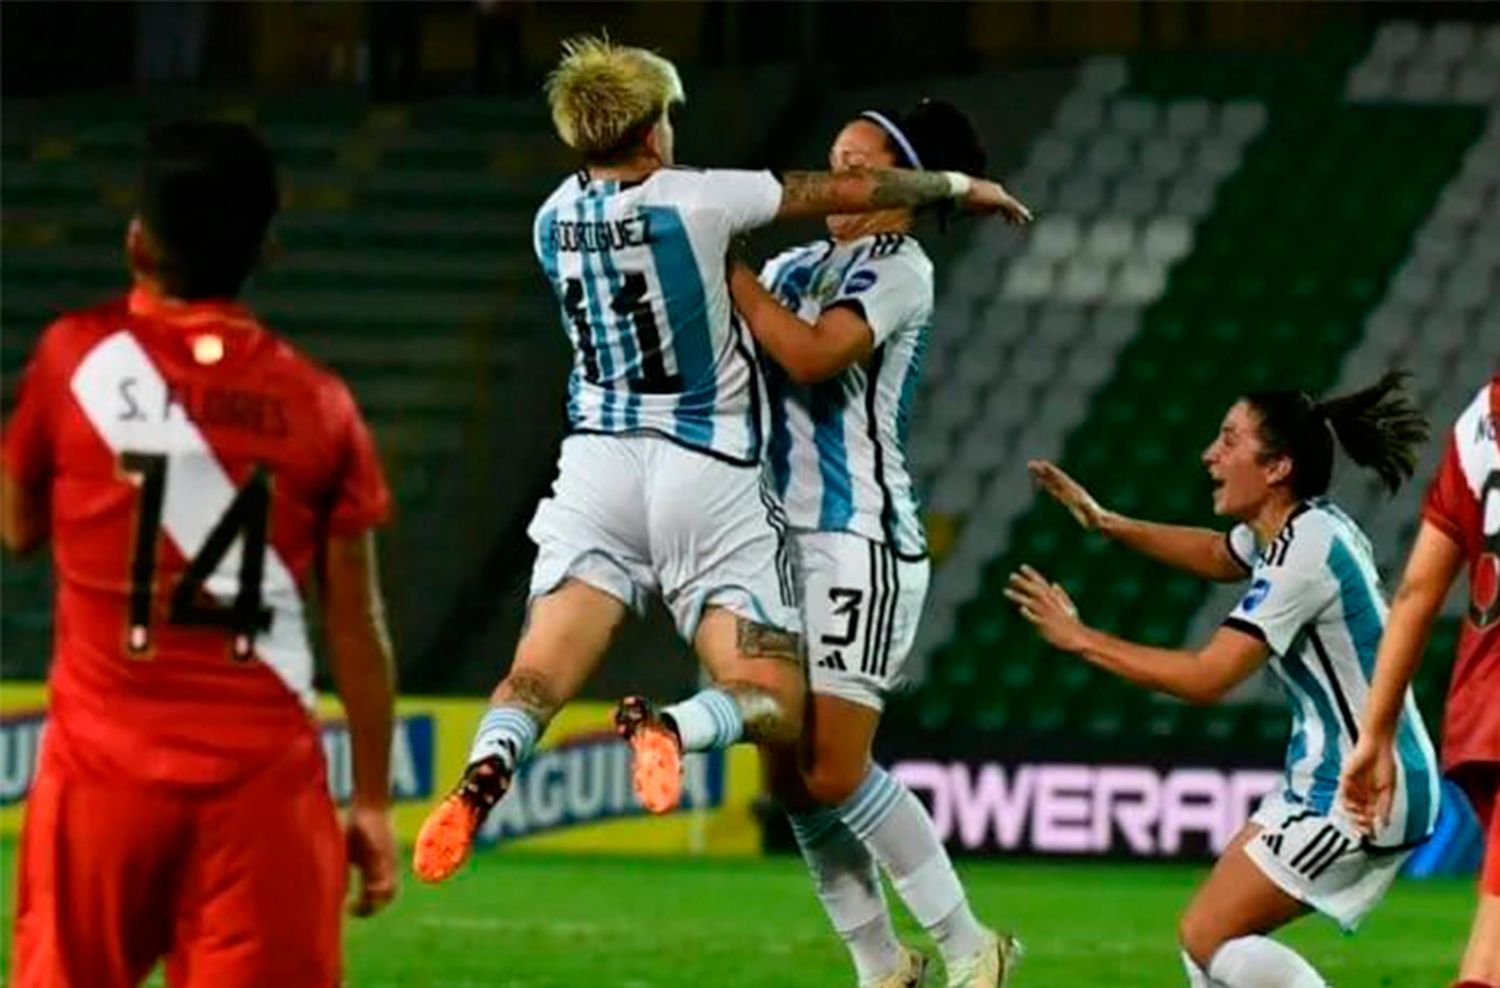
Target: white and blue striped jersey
x=1315 y=600
x=639 y=273
x=837 y=448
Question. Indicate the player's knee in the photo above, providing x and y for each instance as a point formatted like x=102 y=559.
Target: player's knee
x=831 y=784
x=1196 y=938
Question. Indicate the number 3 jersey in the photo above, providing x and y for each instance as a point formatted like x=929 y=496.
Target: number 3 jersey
x=837 y=448
x=639 y=273
x=195 y=465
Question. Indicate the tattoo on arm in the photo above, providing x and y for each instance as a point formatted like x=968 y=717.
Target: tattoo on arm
x=760 y=641
x=894 y=189
x=860 y=190
x=531 y=692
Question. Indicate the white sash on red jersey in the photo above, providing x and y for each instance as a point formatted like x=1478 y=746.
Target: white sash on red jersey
x=1477 y=436
x=198 y=492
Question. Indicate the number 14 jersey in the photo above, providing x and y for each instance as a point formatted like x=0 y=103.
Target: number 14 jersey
x=638 y=269
x=194 y=463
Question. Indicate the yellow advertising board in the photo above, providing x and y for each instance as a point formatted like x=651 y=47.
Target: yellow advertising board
x=573 y=796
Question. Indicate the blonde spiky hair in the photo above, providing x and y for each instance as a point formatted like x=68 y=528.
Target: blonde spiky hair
x=602 y=94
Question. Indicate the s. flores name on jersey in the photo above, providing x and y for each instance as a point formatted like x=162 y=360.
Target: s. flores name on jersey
x=586 y=779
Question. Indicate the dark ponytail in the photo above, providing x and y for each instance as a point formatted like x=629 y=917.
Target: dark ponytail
x=1379 y=427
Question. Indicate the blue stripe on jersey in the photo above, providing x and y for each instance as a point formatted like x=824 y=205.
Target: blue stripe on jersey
x=1296 y=749
x=687 y=318
x=909 y=385
x=788 y=285
x=598 y=328
x=903 y=425
x=1365 y=628
x=833 y=458
x=546 y=252
x=779 y=449
x=1326 y=775
x=624 y=328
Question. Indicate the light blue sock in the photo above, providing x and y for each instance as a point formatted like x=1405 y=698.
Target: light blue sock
x=509 y=732
x=848 y=884
x=893 y=823
x=707 y=720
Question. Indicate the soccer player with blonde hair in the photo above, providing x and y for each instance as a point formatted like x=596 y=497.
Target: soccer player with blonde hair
x=659 y=488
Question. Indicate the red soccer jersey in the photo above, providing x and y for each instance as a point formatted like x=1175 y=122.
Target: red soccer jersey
x=195 y=463
x=1464 y=501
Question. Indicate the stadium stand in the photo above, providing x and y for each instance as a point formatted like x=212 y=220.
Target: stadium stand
x=407 y=267
x=1092 y=345
x=405 y=263
x=406 y=242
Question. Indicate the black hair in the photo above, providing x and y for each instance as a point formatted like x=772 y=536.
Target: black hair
x=942 y=137
x=1379 y=427
x=208 y=193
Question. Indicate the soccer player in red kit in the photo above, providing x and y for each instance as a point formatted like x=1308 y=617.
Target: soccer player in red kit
x=1460 y=521
x=195 y=473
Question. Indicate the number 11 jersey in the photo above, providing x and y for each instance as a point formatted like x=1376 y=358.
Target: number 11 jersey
x=195 y=463
x=638 y=269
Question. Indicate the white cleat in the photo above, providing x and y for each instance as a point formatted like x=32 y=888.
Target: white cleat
x=911 y=973
x=991 y=967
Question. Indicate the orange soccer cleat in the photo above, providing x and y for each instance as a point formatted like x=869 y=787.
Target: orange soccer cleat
x=656 y=754
x=447 y=835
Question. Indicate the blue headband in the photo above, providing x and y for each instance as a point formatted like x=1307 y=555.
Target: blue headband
x=889 y=126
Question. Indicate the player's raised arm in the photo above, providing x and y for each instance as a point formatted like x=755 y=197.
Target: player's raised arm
x=1203 y=552
x=868 y=190
x=1201 y=676
x=364 y=675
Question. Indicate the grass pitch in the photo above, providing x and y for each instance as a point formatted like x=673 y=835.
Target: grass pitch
x=523 y=921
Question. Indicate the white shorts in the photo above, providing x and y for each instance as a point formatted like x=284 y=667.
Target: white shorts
x=637 y=515
x=1322 y=860
x=860 y=606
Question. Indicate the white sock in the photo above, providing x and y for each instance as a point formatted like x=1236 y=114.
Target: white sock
x=1260 y=962
x=708 y=719
x=886 y=816
x=1196 y=976
x=508 y=732
x=848 y=885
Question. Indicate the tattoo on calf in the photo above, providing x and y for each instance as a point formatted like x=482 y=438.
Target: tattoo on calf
x=532 y=693
x=761 y=641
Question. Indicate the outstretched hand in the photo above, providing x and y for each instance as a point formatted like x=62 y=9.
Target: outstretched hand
x=1069 y=493
x=1047 y=606
x=991 y=197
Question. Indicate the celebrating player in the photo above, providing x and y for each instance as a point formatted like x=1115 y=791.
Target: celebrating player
x=846 y=321
x=659 y=483
x=194 y=471
x=1313 y=610
x=1461 y=520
